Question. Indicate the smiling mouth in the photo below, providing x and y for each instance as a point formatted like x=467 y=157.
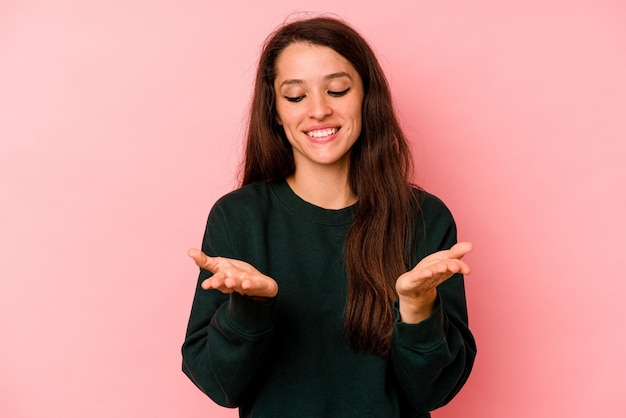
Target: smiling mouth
x=322 y=133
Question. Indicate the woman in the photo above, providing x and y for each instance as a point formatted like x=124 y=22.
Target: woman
x=311 y=301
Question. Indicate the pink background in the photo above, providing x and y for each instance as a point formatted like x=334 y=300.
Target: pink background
x=121 y=123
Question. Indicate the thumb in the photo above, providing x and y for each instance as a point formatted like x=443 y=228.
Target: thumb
x=460 y=249
x=202 y=260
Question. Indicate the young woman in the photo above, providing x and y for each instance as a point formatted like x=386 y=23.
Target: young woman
x=329 y=285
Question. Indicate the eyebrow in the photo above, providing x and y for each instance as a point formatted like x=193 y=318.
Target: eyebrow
x=327 y=77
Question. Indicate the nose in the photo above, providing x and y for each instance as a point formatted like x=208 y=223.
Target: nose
x=319 y=107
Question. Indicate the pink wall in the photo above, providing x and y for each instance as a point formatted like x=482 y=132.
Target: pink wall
x=121 y=123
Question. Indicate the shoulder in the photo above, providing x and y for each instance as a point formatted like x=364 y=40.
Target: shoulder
x=435 y=228
x=431 y=207
x=250 y=197
x=247 y=203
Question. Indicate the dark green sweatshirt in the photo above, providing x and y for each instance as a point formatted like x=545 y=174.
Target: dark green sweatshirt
x=290 y=357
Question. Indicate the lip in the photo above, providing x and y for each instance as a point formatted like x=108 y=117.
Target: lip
x=322 y=127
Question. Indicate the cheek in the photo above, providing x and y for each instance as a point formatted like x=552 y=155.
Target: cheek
x=279 y=119
x=357 y=117
x=289 y=120
x=357 y=111
x=284 y=117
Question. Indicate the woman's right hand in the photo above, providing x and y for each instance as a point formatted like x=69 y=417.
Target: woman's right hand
x=231 y=275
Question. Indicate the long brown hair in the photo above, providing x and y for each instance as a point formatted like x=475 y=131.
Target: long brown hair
x=380 y=164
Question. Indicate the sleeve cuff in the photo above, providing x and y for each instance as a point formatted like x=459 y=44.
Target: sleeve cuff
x=249 y=316
x=422 y=336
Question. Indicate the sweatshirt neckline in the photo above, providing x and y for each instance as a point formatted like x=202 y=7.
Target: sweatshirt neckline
x=296 y=204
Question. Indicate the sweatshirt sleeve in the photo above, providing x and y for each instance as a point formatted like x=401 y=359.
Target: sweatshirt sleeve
x=432 y=360
x=227 y=335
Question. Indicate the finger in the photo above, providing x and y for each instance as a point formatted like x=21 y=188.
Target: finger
x=202 y=260
x=260 y=286
x=233 y=282
x=465 y=268
x=216 y=285
x=460 y=249
x=208 y=283
x=452 y=266
x=256 y=287
x=214 y=282
x=248 y=285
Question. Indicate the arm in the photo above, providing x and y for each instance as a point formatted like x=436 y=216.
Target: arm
x=432 y=348
x=228 y=334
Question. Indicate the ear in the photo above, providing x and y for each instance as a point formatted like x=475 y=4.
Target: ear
x=278 y=121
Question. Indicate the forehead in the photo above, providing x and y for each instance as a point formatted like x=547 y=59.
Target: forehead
x=305 y=61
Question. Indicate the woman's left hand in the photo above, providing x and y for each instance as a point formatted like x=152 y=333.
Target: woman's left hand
x=417 y=288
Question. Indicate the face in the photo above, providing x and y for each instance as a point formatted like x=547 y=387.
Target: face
x=319 y=95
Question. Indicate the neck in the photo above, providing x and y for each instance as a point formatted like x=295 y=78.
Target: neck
x=328 y=190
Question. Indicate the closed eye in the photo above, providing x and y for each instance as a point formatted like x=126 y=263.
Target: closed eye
x=339 y=93
x=294 y=99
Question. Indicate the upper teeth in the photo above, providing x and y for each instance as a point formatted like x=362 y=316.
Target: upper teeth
x=320 y=133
